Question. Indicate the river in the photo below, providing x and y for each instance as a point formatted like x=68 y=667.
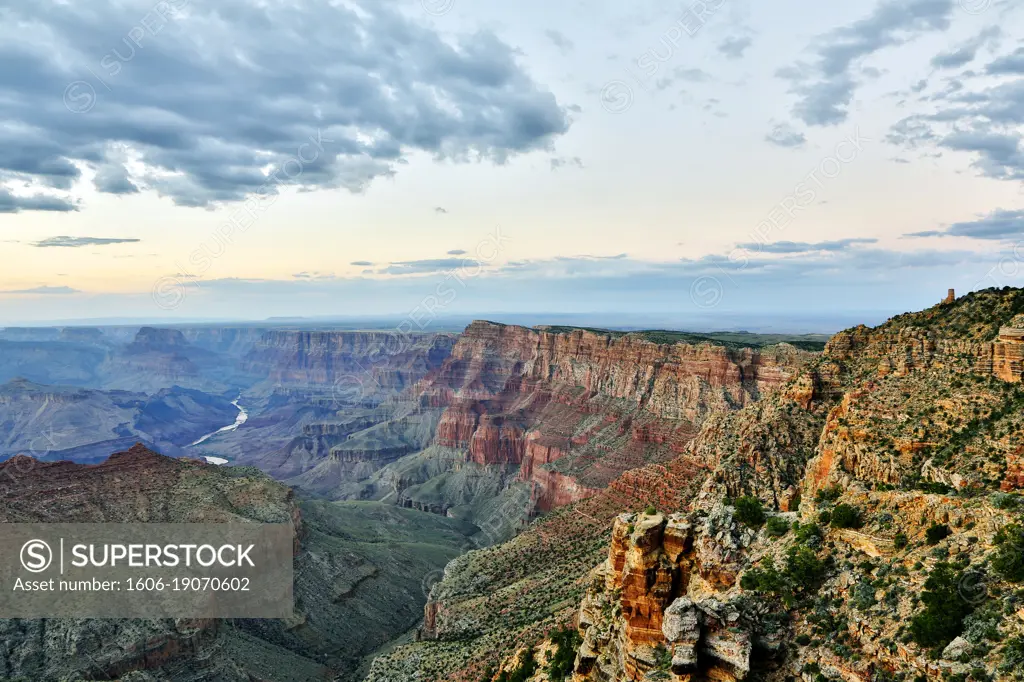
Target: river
x=239 y=420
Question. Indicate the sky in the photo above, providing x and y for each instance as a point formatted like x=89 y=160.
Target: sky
x=235 y=159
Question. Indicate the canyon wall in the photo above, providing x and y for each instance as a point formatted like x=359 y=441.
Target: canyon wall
x=575 y=409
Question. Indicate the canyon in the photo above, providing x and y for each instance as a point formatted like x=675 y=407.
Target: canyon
x=639 y=505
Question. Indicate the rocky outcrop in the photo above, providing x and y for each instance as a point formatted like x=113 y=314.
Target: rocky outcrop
x=661 y=602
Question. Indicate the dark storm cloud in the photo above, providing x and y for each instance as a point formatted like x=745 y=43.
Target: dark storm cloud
x=78 y=242
x=209 y=97
x=997 y=225
x=825 y=87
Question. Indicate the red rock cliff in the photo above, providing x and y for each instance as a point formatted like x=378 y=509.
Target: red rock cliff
x=576 y=409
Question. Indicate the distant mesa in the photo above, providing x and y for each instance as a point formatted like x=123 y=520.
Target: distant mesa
x=153 y=337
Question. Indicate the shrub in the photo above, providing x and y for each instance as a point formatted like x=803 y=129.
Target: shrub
x=1009 y=557
x=826 y=495
x=651 y=510
x=900 y=541
x=749 y=511
x=778 y=526
x=825 y=518
x=765 y=578
x=806 y=531
x=846 y=516
x=804 y=568
x=936 y=533
x=567 y=642
x=943 y=617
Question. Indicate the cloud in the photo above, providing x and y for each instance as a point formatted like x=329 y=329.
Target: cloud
x=784 y=135
x=9 y=203
x=440 y=209
x=734 y=47
x=825 y=87
x=314 y=276
x=457 y=252
x=47 y=290
x=998 y=225
x=983 y=122
x=1009 y=64
x=78 y=242
x=965 y=53
x=805 y=247
x=559 y=40
x=223 y=101
x=681 y=73
x=427 y=266
x=113 y=179
x=361 y=263
x=557 y=162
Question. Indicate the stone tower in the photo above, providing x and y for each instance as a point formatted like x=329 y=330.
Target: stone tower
x=951 y=296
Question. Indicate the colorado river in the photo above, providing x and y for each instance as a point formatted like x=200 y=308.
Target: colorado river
x=239 y=420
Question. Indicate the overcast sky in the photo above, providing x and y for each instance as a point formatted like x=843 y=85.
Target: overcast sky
x=228 y=158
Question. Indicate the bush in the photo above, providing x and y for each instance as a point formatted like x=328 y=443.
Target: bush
x=900 y=541
x=778 y=526
x=1009 y=557
x=827 y=495
x=936 y=533
x=846 y=516
x=825 y=518
x=567 y=642
x=749 y=512
x=651 y=510
x=943 y=617
x=806 y=531
x=804 y=568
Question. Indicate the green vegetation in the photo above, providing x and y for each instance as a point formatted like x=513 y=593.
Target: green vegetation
x=945 y=609
x=936 y=533
x=846 y=516
x=828 y=495
x=1009 y=557
x=651 y=510
x=749 y=512
x=777 y=526
x=807 y=533
x=900 y=541
x=801 y=575
x=732 y=340
x=567 y=642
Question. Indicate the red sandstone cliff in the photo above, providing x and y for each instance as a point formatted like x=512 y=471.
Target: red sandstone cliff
x=574 y=410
